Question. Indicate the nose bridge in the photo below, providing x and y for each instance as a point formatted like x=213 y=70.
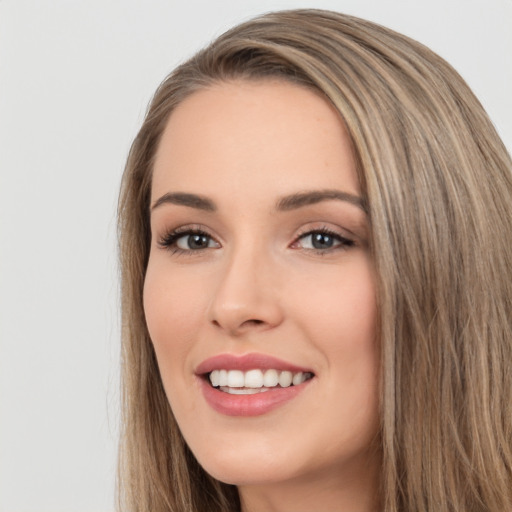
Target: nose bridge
x=246 y=296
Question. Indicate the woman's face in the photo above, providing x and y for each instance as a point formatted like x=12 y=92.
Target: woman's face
x=260 y=279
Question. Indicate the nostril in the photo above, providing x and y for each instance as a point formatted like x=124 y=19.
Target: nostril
x=244 y=323
x=253 y=322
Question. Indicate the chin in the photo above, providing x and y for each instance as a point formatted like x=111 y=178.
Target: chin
x=256 y=464
x=237 y=472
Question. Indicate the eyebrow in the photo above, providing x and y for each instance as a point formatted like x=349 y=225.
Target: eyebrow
x=301 y=199
x=286 y=203
x=184 y=199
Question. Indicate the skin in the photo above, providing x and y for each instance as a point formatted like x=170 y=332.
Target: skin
x=261 y=286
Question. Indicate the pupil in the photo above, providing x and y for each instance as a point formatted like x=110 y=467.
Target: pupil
x=197 y=242
x=322 y=241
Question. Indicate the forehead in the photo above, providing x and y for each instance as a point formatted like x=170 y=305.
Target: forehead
x=248 y=136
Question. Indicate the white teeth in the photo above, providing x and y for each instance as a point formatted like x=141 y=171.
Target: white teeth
x=270 y=378
x=236 y=379
x=285 y=379
x=243 y=391
x=255 y=380
x=214 y=378
x=297 y=379
x=223 y=378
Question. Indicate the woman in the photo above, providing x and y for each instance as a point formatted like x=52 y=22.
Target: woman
x=315 y=226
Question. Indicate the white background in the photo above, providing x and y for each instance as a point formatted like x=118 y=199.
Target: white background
x=75 y=79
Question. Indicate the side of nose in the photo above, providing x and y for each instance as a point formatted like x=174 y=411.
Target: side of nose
x=246 y=298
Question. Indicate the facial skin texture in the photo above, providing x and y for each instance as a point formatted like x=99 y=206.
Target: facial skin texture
x=262 y=287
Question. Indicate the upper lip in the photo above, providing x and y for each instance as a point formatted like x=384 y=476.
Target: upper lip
x=246 y=362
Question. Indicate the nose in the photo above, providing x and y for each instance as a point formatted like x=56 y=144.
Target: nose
x=246 y=298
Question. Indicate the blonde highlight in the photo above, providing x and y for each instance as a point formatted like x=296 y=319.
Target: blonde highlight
x=438 y=184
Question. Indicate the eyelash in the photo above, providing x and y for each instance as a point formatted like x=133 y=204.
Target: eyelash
x=343 y=242
x=169 y=240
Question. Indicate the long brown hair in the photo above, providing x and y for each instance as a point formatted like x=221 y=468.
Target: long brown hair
x=438 y=184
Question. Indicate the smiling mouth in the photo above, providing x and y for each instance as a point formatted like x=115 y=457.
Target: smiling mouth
x=237 y=382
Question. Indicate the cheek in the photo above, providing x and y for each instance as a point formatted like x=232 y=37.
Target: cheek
x=338 y=309
x=173 y=309
x=339 y=317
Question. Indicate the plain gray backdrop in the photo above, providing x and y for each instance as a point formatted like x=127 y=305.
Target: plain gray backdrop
x=75 y=79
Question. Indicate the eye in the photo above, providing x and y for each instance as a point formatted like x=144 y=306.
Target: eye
x=188 y=240
x=322 y=240
x=194 y=242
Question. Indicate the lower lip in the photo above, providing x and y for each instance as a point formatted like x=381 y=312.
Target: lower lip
x=249 y=405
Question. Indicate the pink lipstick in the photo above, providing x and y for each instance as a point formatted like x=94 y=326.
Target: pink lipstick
x=250 y=385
